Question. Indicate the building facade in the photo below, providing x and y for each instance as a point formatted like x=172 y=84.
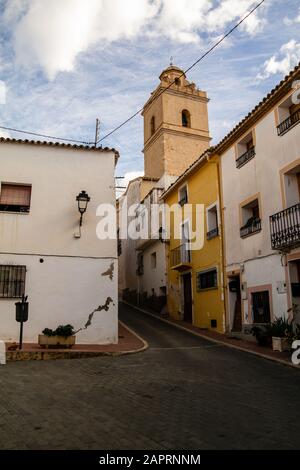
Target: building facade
x=175 y=133
x=260 y=168
x=69 y=275
x=195 y=258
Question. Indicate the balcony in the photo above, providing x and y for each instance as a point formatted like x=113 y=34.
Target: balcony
x=212 y=233
x=285 y=125
x=180 y=258
x=285 y=228
x=245 y=157
x=252 y=226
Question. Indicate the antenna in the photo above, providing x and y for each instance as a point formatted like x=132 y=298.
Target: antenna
x=97 y=133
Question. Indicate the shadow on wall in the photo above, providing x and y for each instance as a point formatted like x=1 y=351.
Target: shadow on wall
x=152 y=302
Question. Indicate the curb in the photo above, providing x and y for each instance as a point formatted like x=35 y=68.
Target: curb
x=217 y=341
x=134 y=351
x=18 y=356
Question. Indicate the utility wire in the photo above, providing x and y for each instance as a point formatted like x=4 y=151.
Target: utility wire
x=160 y=93
x=44 y=135
x=187 y=70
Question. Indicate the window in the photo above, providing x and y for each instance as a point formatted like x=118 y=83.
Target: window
x=186 y=118
x=12 y=281
x=152 y=125
x=245 y=150
x=153 y=260
x=251 y=222
x=15 y=197
x=288 y=115
x=182 y=195
x=261 y=307
x=207 y=279
x=212 y=222
x=177 y=81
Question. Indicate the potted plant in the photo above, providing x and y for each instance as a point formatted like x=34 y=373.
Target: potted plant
x=62 y=337
x=262 y=334
x=293 y=335
x=280 y=330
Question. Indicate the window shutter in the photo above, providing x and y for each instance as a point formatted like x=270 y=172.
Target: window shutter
x=15 y=195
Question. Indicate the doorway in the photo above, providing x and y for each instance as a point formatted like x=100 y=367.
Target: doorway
x=235 y=304
x=187 y=298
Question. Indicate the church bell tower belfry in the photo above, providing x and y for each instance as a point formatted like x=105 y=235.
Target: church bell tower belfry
x=176 y=130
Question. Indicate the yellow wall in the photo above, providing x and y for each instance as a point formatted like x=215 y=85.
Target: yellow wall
x=207 y=304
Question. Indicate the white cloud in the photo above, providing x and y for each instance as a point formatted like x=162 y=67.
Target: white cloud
x=288 y=21
x=287 y=58
x=52 y=34
x=2 y=92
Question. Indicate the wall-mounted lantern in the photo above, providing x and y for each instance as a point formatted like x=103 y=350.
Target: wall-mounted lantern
x=82 y=200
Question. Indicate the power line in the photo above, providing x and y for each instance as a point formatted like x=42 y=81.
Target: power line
x=45 y=135
x=188 y=69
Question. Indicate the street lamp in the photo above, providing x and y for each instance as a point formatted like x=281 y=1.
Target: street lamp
x=83 y=200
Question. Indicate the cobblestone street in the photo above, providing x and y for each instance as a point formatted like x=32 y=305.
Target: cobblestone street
x=182 y=393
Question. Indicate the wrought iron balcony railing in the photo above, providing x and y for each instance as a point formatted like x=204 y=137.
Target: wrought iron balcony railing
x=285 y=125
x=250 y=228
x=245 y=157
x=212 y=233
x=285 y=228
x=180 y=256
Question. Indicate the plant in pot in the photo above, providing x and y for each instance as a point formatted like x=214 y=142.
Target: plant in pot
x=280 y=329
x=293 y=335
x=262 y=334
x=62 y=337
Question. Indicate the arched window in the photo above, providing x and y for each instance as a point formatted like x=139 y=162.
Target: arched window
x=186 y=118
x=177 y=81
x=152 y=125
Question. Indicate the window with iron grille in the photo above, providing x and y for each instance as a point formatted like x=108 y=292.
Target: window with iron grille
x=207 y=279
x=12 y=281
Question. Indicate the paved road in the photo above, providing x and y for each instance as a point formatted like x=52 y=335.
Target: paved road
x=183 y=392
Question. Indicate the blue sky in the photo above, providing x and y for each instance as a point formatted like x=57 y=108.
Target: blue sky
x=65 y=62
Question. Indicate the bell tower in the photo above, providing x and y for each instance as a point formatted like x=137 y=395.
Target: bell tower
x=176 y=128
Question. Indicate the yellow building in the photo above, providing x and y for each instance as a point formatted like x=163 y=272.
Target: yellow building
x=195 y=273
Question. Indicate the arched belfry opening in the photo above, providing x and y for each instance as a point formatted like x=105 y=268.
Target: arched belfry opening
x=186 y=118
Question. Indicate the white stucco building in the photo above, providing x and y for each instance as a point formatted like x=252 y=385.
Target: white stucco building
x=260 y=168
x=69 y=278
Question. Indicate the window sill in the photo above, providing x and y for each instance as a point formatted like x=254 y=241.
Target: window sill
x=13 y=212
x=250 y=234
x=208 y=289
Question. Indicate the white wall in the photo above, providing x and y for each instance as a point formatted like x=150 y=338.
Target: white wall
x=259 y=175
x=69 y=284
x=64 y=290
x=261 y=272
x=57 y=175
x=154 y=278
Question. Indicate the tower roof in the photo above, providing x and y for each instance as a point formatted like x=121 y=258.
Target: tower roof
x=172 y=68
